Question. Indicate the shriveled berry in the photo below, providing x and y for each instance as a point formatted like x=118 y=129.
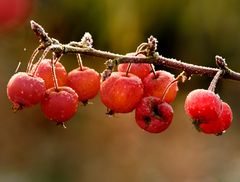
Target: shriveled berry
x=219 y=125
x=24 y=90
x=44 y=71
x=203 y=105
x=60 y=105
x=85 y=81
x=139 y=69
x=153 y=115
x=156 y=84
x=121 y=93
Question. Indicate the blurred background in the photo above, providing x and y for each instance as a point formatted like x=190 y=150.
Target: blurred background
x=95 y=147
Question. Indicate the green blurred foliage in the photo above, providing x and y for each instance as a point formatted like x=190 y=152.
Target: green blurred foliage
x=95 y=147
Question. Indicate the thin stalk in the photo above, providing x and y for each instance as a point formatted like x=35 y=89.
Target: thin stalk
x=45 y=52
x=80 y=64
x=55 y=81
x=215 y=79
x=30 y=62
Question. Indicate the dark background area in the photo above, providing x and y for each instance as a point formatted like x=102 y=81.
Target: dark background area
x=95 y=147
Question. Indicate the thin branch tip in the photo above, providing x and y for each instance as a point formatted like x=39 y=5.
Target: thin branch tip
x=34 y=25
x=32 y=22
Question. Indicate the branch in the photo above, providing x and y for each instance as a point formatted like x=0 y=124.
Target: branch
x=153 y=57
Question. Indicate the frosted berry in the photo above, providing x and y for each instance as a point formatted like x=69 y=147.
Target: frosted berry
x=60 y=105
x=44 y=71
x=156 y=84
x=203 y=105
x=139 y=69
x=24 y=90
x=85 y=81
x=153 y=115
x=121 y=93
x=219 y=125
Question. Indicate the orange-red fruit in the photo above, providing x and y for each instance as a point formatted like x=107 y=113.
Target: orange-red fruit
x=219 y=125
x=60 y=105
x=139 y=69
x=153 y=115
x=44 y=71
x=203 y=105
x=121 y=93
x=85 y=82
x=25 y=90
x=156 y=84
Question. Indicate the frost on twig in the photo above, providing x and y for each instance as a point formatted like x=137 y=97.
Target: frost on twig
x=149 y=48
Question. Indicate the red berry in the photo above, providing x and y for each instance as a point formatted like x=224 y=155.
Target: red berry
x=14 y=13
x=153 y=115
x=139 y=69
x=60 y=105
x=85 y=82
x=219 y=125
x=156 y=84
x=44 y=71
x=203 y=105
x=25 y=90
x=121 y=93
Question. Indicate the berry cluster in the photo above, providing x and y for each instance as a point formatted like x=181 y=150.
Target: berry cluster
x=140 y=87
x=57 y=91
x=135 y=86
x=209 y=113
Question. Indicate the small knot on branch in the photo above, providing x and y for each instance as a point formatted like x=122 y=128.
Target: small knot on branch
x=222 y=65
x=220 y=62
x=109 y=69
x=152 y=43
x=87 y=40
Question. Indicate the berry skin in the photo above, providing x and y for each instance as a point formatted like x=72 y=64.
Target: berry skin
x=25 y=90
x=155 y=85
x=121 y=93
x=203 y=105
x=44 y=71
x=85 y=82
x=153 y=115
x=139 y=69
x=221 y=124
x=60 y=105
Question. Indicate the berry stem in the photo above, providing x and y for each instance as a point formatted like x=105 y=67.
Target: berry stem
x=167 y=89
x=128 y=68
x=80 y=64
x=30 y=62
x=55 y=81
x=153 y=70
x=18 y=66
x=215 y=79
x=220 y=62
x=45 y=52
x=181 y=76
